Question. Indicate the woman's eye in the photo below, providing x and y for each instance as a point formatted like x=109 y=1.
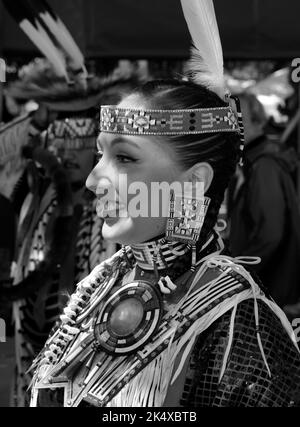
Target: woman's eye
x=124 y=159
x=121 y=158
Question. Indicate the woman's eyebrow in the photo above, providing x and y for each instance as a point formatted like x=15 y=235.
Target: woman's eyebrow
x=117 y=140
x=122 y=140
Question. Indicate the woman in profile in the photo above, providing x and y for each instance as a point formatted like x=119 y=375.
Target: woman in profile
x=170 y=319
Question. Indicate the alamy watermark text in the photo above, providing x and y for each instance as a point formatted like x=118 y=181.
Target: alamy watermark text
x=2 y=331
x=2 y=70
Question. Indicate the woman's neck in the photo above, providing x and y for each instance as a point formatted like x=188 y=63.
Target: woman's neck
x=164 y=253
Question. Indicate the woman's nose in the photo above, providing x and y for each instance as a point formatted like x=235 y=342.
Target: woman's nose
x=97 y=181
x=93 y=179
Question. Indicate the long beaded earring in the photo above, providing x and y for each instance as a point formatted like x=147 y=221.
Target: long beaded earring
x=186 y=217
x=185 y=221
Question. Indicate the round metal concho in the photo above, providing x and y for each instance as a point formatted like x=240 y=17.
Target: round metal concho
x=129 y=318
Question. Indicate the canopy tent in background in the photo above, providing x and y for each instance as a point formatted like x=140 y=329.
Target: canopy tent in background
x=151 y=29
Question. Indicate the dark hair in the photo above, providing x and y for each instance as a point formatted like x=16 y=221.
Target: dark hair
x=221 y=151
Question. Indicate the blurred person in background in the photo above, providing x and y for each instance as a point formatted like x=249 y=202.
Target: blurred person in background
x=59 y=239
x=7 y=240
x=264 y=211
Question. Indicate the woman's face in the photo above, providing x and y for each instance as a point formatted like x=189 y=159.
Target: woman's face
x=124 y=180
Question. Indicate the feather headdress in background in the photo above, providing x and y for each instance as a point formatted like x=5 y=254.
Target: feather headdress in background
x=206 y=64
x=63 y=37
x=46 y=30
x=38 y=81
x=35 y=31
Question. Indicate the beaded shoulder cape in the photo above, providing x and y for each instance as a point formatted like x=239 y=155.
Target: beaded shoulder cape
x=72 y=361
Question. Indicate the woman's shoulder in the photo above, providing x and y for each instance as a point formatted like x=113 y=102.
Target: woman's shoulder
x=235 y=296
x=230 y=366
x=221 y=273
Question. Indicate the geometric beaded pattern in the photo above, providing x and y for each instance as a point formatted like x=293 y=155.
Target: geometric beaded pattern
x=143 y=254
x=75 y=133
x=167 y=122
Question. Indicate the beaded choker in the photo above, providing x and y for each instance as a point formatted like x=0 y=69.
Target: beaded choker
x=163 y=252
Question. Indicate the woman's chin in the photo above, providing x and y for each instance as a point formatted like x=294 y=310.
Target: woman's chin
x=128 y=231
x=117 y=230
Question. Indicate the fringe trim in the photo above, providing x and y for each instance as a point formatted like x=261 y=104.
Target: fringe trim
x=150 y=386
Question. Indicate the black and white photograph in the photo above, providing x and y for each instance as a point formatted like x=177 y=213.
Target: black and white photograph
x=149 y=206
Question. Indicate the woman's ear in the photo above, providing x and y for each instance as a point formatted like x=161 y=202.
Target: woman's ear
x=201 y=172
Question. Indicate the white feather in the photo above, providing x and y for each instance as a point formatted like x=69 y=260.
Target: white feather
x=43 y=42
x=206 y=63
x=65 y=39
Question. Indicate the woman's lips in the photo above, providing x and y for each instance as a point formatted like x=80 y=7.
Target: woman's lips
x=110 y=209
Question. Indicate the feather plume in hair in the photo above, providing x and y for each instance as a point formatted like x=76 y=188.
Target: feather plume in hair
x=206 y=64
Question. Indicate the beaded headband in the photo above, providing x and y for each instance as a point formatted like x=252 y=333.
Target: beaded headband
x=74 y=133
x=168 y=122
